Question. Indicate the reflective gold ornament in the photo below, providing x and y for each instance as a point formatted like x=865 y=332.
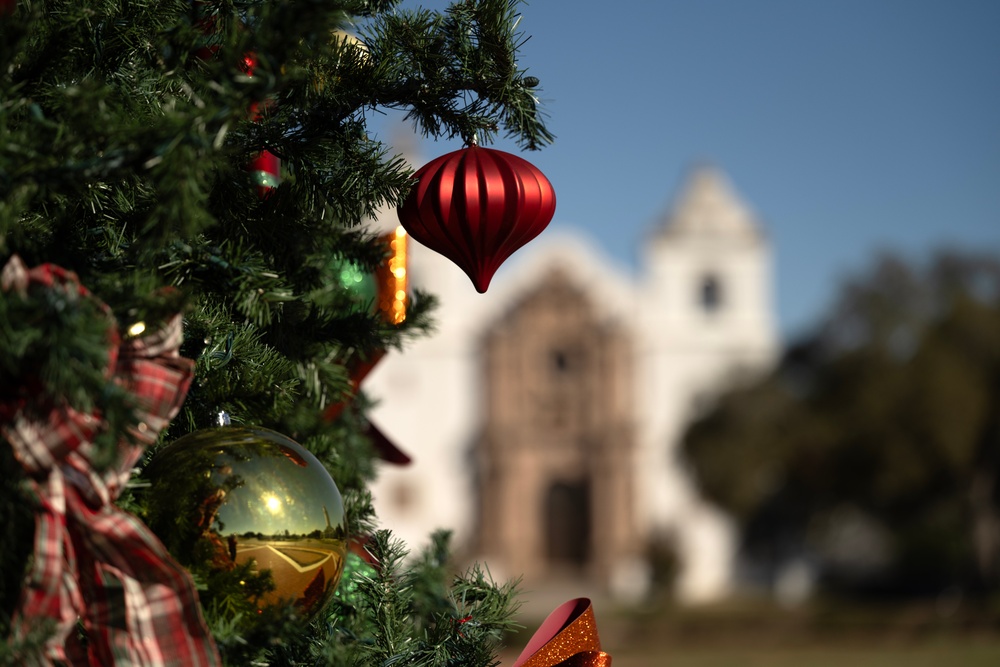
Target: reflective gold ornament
x=250 y=500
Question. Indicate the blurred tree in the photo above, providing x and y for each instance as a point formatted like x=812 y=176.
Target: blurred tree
x=873 y=449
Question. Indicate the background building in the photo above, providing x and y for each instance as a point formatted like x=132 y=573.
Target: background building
x=544 y=416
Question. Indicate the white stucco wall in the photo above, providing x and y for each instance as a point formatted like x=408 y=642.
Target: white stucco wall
x=430 y=394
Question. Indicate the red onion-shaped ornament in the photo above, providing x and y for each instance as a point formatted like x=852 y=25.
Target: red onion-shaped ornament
x=477 y=206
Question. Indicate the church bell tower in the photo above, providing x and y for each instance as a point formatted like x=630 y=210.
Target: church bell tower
x=705 y=319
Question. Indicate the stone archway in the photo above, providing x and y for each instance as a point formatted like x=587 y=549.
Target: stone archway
x=555 y=460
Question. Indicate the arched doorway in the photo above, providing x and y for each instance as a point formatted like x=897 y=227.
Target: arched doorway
x=567 y=523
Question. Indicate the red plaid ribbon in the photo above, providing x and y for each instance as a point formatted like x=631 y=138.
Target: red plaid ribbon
x=93 y=562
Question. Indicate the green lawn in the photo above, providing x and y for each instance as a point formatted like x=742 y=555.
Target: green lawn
x=752 y=633
x=977 y=653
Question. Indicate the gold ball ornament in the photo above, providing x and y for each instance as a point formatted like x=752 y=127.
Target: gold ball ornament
x=238 y=499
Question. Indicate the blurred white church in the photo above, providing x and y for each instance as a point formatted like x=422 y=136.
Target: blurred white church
x=543 y=417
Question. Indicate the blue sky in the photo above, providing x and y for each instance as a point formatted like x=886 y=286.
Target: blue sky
x=849 y=126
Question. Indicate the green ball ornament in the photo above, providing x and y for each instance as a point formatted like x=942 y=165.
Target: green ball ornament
x=359 y=286
x=255 y=506
x=355 y=570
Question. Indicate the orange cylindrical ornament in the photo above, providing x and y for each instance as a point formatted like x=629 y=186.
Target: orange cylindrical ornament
x=392 y=278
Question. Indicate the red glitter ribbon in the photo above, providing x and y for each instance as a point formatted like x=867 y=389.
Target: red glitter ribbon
x=94 y=563
x=567 y=638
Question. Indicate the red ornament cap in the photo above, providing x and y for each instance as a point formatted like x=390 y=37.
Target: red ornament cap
x=477 y=206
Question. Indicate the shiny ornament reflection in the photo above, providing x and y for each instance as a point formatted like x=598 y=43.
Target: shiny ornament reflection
x=227 y=498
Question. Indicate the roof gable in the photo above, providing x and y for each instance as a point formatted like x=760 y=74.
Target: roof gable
x=708 y=206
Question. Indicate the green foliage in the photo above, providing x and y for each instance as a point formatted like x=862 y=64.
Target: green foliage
x=417 y=612
x=873 y=447
x=126 y=129
x=457 y=73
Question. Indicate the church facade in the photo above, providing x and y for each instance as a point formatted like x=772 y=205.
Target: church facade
x=544 y=417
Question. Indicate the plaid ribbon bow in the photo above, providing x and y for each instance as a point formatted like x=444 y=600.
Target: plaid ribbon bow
x=93 y=562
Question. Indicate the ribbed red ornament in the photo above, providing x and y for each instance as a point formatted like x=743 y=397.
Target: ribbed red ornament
x=476 y=206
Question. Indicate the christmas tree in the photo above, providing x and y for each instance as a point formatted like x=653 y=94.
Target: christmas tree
x=199 y=171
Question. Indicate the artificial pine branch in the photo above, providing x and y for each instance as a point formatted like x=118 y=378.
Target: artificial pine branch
x=125 y=133
x=424 y=613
